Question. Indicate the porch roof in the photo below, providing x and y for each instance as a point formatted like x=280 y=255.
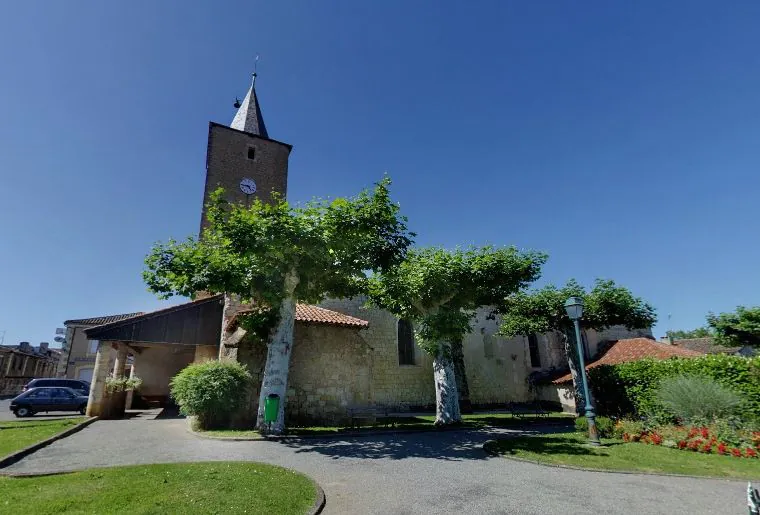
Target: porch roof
x=199 y=323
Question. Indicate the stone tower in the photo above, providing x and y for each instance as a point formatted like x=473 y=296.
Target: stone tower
x=242 y=158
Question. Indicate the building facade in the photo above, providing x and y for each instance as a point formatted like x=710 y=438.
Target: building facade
x=21 y=363
x=344 y=354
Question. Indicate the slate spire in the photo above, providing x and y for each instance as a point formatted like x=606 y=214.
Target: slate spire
x=249 y=118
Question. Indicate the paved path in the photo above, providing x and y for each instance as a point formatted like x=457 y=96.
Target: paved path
x=402 y=474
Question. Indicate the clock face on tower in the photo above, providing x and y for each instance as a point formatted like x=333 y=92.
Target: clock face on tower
x=248 y=186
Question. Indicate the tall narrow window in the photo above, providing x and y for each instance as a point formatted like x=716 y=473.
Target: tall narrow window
x=94 y=346
x=251 y=153
x=535 y=357
x=405 y=342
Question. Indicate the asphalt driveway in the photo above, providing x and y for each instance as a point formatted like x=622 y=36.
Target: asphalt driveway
x=7 y=414
x=402 y=474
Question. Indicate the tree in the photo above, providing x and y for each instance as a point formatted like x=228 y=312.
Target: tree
x=699 y=332
x=271 y=255
x=740 y=328
x=542 y=311
x=439 y=290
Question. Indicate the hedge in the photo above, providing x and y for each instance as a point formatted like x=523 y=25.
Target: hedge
x=627 y=389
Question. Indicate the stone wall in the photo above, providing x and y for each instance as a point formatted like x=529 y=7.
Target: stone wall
x=330 y=370
x=157 y=365
x=392 y=384
x=227 y=163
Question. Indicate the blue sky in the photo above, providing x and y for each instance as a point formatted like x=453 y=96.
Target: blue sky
x=620 y=139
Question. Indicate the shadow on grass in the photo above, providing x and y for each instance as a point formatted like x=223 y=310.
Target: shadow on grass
x=559 y=444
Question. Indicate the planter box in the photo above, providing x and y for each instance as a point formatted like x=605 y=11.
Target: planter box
x=114 y=405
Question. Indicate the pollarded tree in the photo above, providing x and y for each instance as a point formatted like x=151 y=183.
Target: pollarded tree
x=272 y=255
x=543 y=310
x=439 y=290
x=741 y=327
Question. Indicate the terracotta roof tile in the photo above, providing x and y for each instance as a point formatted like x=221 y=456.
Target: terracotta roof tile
x=308 y=314
x=315 y=314
x=634 y=349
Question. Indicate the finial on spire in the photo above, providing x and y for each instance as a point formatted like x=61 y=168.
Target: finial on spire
x=255 y=67
x=248 y=117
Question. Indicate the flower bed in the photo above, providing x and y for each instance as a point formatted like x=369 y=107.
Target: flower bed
x=718 y=439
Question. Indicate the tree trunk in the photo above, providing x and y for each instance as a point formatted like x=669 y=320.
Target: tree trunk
x=279 y=348
x=568 y=339
x=457 y=354
x=446 y=396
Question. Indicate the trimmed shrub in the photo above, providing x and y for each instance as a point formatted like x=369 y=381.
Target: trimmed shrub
x=629 y=389
x=211 y=391
x=604 y=426
x=694 y=399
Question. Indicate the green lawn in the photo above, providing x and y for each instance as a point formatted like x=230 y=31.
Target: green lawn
x=14 y=436
x=421 y=423
x=571 y=449
x=211 y=487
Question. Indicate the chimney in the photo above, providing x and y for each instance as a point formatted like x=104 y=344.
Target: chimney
x=44 y=347
x=24 y=347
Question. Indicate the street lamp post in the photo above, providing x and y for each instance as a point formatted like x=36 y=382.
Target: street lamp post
x=574 y=309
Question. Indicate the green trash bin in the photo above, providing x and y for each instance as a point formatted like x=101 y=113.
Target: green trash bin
x=271 y=408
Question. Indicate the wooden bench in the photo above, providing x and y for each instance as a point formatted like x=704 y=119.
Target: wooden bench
x=521 y=410
x=371 y=414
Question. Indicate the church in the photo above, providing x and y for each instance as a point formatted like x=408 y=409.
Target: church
x=344 y=354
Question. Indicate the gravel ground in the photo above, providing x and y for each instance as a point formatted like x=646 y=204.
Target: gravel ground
x=409 y=473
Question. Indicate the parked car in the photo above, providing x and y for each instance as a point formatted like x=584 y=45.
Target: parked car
x=82 y=387
x=48 y=399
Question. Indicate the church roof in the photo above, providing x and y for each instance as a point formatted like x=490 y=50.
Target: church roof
x=249 y=118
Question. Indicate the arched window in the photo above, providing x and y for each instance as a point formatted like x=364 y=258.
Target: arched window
x=405 y=342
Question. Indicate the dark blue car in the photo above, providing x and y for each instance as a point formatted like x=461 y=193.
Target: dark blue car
x=48 y=399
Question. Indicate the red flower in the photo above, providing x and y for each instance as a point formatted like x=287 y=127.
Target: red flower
x=705 y=433
x=750 y=452
x=721 y=448
x=656 y=439
x=707 y=448
x=682 y=444
x=693 y=432
x=694 y=445
x=736 y=452
x=626 y=437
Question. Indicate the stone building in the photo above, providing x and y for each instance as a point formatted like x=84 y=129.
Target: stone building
x=21 y=363
x=344 y=354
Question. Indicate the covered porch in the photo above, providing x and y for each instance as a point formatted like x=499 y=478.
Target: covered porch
x=160 y=343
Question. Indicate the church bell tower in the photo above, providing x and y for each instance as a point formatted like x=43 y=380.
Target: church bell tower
x=243 y=159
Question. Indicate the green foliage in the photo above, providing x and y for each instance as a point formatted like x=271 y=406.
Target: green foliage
x=695 y=399
x=604 y=426
x=626 y=426
x=212 y=391
x=605 y=305
x=629 y=389
x=327 y=245
x=122 y=384
x=699 y=332
x=739 y=328
x=440 y=289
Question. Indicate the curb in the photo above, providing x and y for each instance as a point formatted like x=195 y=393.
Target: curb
x=603 y=471
x=354 y=434
x=319 y=502
x=26 y=451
